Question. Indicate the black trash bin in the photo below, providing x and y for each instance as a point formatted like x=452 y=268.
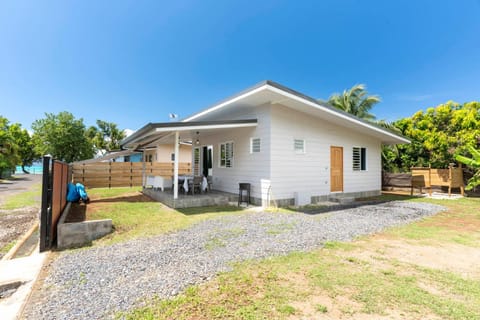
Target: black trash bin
x=243 y=193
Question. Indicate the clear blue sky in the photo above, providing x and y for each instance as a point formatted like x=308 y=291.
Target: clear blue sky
x=133 y=62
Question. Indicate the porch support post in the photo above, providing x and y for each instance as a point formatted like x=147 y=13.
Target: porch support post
x=144 y=176
x=175 y=166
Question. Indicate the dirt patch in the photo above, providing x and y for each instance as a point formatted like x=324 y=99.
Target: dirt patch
x=320 y=305
x=14 y=223
x=82 y=212
x=451 y=257
x=464 y=224
x=78 y=213
x=134 y=196
x=384 y=254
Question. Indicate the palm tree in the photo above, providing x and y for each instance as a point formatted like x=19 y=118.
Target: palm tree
x=355 y=101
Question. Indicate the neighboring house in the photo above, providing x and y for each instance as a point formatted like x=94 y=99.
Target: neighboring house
x=115 y=156
x=161 y=153
x=132 y=157
x=291 y=148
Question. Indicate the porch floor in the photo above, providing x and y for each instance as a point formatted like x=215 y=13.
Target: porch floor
x=211 y=198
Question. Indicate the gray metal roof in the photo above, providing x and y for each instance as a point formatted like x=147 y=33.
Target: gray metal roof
x=184 y=122
x=303 y=96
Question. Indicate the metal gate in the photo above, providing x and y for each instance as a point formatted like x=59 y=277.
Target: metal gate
x=56 y=175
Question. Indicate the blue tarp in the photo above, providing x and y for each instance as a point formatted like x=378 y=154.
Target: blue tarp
x=76 y=192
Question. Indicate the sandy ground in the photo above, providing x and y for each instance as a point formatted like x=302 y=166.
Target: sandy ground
x=14 y=223
x=379 y=253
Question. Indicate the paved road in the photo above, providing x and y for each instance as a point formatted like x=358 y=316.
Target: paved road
x=20 y=183
x=14 y=223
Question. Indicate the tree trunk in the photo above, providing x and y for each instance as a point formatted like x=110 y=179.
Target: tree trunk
x=23 y=169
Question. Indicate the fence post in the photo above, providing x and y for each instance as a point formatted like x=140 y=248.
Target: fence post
x=450 y=179
x=44 y=238
x=430 y=180
x=143 y=173
x=131 y=175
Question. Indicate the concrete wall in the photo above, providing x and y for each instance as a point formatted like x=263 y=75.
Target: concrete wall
x=77 y=234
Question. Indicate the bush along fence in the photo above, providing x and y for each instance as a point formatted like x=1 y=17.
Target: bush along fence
x=426 y=177
x=56 y=175
x=123 y=174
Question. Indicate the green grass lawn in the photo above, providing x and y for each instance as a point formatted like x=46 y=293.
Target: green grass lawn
x=135 y=215
x=366 y=278
x=29 y=198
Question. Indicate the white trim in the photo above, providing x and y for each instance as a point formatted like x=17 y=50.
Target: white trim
x=327 y=110
x=296 y=98
x=175 y=165
x=221 y=105
x=203 y=127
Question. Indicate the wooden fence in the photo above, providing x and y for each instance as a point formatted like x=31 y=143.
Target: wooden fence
x=123 y=174
x=425 y=177
x=402 y=180
x=428 y=177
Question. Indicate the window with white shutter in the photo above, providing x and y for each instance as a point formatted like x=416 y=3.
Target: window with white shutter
x=226 y=155
x=254 y=145
x=359 y=159
x=196 y=161
x=299 y=145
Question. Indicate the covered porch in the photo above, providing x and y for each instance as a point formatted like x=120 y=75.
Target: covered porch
x=192 y=134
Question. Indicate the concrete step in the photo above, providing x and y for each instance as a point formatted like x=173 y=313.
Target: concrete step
x=342 y=199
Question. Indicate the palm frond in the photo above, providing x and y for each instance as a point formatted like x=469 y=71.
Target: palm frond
x=468 y=161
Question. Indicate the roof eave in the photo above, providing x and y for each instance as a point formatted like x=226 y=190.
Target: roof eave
x=151 y=129
x=276 y=87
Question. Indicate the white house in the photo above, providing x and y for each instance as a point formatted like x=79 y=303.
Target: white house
x=291 y=148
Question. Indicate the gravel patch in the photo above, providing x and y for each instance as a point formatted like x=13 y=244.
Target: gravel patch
x=97 y=282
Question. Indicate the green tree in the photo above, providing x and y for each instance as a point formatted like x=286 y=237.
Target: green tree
x=63 y=137
x=8 y=148
x=105 y=136
x=436 y=135
x=473 y=162
x=355 y=101
x=26 y=150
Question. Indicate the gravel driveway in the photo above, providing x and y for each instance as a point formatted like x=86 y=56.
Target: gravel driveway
x=95 y=283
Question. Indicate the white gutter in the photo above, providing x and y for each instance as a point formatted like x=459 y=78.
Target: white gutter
x=203 y=127
x=300 y=99
x=337 y=114
x=221 y=105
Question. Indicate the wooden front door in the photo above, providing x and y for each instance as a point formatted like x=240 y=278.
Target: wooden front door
x=336 y=169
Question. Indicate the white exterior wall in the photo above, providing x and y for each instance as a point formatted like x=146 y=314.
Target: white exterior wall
x=163 y=153
x=277 y=172
x=309 y=174
x=253 y=168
